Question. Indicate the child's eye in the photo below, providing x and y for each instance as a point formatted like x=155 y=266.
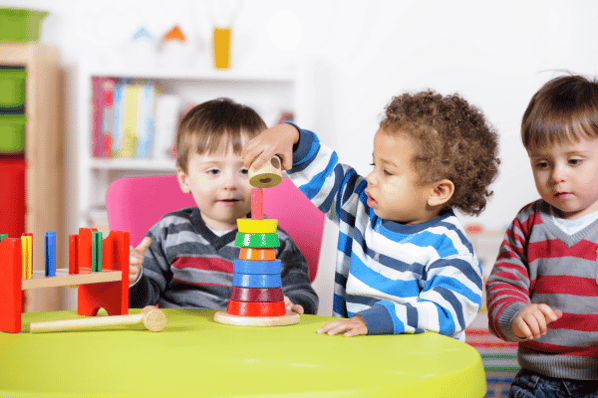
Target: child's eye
x=244 y=171
x=213 y=171
x=575 y=162
x=386 y=172
x=541 y=165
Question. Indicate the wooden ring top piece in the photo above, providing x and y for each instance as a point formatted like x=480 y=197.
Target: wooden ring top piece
x=267 y=176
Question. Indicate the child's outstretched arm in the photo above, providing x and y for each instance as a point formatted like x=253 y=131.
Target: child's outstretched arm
x=136 y=259
x=531 y=321
x=278 y=140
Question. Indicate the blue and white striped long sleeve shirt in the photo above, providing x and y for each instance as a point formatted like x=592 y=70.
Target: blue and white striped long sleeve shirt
x=399 y=278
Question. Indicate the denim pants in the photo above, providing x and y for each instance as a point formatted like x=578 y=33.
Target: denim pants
x=528 y=384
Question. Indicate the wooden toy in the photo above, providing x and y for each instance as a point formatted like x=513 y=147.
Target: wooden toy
x=254 y=226
x=257 y=240
x=256 y=297
x=272 y=267
x=152 y=318
x=108 y=289
x=256 y=309
x=50 y=253
x=267 y=176
x=257 y=281
x=252 y=253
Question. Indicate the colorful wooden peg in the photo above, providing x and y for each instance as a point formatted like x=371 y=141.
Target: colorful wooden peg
x=27 y=255
x=96 y=252
x=257 y=204
x=50 y=253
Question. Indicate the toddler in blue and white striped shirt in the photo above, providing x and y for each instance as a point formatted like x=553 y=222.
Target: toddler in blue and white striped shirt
x=404 y=264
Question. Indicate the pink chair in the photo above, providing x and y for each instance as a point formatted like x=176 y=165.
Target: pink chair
x=135 y=204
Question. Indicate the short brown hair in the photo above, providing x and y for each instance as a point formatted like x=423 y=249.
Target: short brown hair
x=211 y=124
x=453 y=141
x=564 y=110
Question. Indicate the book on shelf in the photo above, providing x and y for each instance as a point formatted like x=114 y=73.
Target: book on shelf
x=96 y=116
x=123 y=118
x=132 y=91
x=108 y=86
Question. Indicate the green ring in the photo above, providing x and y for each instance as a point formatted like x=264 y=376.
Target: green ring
x=257 y=240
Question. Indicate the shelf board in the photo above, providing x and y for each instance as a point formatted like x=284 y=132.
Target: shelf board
x=134 y=164
x=195 y=74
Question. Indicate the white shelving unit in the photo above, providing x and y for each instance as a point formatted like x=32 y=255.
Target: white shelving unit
x=269 y=93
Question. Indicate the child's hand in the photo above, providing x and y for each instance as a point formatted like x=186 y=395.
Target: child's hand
x=278 y=140
x=136 y=259
x=531 y=321
x=290 y=307
x=352 y=327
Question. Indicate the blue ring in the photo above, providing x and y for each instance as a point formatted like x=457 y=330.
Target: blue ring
x=257 y=281
x=251 y=267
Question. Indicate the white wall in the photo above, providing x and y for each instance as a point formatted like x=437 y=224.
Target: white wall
x=361 y=53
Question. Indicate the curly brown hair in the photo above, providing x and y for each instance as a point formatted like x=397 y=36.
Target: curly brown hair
x=453 y=141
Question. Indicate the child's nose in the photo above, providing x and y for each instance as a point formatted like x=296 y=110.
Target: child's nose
x=371 y=178
x=231 y=181
x=558 y=175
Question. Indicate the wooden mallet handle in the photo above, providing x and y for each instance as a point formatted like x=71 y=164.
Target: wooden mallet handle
x=152 y=318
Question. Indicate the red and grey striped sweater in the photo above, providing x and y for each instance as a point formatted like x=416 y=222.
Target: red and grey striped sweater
x=539 y=263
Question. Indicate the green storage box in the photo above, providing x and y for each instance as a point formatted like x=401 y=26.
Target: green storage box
x=12 y=133
x=20 y=25
x=12 y=88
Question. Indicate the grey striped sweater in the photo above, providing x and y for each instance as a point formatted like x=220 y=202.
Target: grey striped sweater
x=188 y=266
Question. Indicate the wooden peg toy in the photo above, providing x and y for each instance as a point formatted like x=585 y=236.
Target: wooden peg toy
x=152 y=318
x=267 y=176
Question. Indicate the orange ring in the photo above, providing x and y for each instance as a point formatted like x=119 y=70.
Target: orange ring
x=249 y=253
x=244 y=308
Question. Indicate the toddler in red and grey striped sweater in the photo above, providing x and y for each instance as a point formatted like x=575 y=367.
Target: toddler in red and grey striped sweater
x=543 y=289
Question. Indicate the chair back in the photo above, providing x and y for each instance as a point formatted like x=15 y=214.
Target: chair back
x=135 y=204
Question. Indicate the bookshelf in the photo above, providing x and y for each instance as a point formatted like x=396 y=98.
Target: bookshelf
x=268 y=92
x=43 y=155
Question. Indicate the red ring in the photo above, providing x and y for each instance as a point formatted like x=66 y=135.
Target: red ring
x=255 y=309
x=256 y=295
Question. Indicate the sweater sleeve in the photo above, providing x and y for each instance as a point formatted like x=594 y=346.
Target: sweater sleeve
x=450 y=299
x=296 y=284
x=329 y=184
x=508 y=287
x=155 y=272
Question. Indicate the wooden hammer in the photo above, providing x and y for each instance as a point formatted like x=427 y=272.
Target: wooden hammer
x=152 y=318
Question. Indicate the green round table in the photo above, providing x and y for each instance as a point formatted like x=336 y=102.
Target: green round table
x=195 y=356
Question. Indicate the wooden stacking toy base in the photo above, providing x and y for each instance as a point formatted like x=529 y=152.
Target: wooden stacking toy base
x=230 y=319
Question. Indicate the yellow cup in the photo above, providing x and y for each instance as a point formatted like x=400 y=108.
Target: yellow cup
x=222 y=48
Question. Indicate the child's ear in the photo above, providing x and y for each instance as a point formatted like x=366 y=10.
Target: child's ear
x=183 y=180
x=442 y=192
